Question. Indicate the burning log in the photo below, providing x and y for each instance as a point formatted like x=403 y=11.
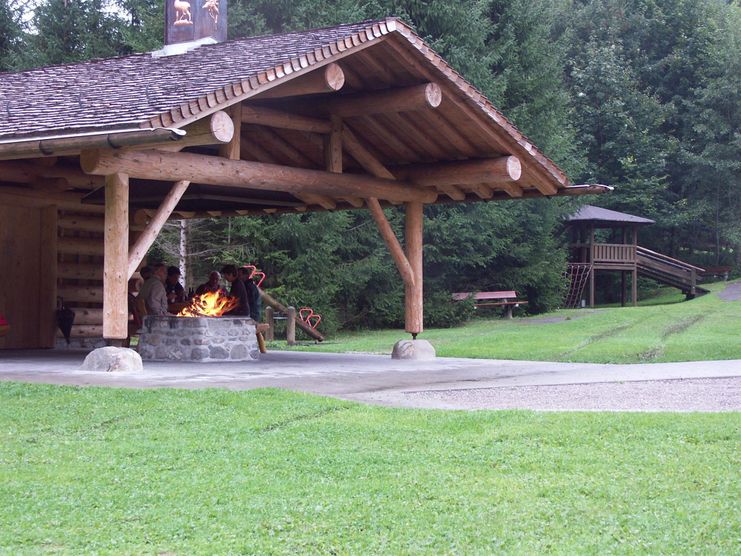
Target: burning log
x=209 y=304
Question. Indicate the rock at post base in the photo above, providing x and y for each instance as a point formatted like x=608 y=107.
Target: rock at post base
x=112 y=359
x=419 y=350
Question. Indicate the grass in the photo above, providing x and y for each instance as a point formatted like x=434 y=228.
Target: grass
x=705 y=328
x=108 y=471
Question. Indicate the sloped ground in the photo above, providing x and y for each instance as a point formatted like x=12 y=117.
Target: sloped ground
x=705 y=328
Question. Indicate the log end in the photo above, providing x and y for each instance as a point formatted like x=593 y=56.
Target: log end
x=433 y=95
x=334 y=76
x=89 y=160
x=222 y=127
x=514 y=168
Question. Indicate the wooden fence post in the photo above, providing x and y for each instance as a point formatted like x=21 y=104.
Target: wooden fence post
x=270 y=319
x=291 y=326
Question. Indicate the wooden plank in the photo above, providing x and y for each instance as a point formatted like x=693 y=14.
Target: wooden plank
x=24 y=196
x=85 y=315
x=20 y=236
x=115 y=262
x=80 y=294
x=86 y=223
x=81 y=246
x=48 y=276
x=79 y=271
x=83 y=331
x=245 y=174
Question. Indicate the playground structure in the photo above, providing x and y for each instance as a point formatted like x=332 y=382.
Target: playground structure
x=622 y=254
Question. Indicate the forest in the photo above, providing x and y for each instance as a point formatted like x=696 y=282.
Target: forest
x=641 y=95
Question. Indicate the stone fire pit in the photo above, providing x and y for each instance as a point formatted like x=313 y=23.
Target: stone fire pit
x=202 y=339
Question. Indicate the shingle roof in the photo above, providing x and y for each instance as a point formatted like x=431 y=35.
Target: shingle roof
x=128 y=91
x=144 y=91
x=598 y=214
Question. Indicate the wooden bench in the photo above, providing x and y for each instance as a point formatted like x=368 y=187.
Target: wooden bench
x=505 y=298
x=722 y=272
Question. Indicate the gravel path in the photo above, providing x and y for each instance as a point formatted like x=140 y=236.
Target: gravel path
x=732 y=292
x=713 y=394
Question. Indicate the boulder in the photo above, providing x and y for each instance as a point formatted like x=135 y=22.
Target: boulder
x=112 y=359
x=419 y=350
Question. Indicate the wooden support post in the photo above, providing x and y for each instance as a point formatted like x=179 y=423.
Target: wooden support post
x=592 y=273
x=634 y=286
x=116 y=253
x=413 y=298
x=270 y=319
x=147 y=237
x=333 y=147
x=291 y=326
x=623 y=291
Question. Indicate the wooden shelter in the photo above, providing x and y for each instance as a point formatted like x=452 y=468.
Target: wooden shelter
x=96 y=156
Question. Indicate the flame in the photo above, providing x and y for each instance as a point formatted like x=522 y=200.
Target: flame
x=209 y=304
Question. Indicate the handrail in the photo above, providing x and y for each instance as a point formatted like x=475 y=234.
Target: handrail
x=665 y=258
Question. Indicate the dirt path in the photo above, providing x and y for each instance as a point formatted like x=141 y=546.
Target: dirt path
x=732 y=292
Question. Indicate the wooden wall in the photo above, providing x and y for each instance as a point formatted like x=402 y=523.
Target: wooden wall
x=28 y=273
x=80 y=270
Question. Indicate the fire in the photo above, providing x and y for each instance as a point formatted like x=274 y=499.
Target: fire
x=209 y=304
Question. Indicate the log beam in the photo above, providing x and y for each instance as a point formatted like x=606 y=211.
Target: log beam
x=491 y=171
x=211 y=170
x=413 y=294
x=327 y=79
x=31 y=172
x=403 y=99
x=146 y=238
x=271 y=117
x=115 y=276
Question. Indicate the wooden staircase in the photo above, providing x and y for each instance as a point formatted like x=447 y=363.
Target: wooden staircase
x=669 y=271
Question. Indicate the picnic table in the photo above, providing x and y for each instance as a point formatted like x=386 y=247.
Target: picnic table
x=505 y=298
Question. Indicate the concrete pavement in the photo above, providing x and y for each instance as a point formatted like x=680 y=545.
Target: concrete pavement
x=379 y=379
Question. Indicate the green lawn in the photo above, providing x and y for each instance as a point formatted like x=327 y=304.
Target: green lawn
x=704 y=328
x=107 y=471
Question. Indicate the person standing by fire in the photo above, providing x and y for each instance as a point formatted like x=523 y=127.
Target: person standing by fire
x=253 y=292
x=153 y=291
x=229 y=272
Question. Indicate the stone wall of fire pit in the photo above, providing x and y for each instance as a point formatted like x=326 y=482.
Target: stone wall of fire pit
x=203 y=339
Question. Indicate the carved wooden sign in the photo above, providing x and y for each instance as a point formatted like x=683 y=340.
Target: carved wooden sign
x=190 y=20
